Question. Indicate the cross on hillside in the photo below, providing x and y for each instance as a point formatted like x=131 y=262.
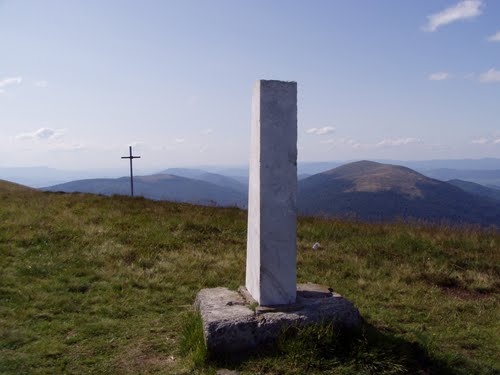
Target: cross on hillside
x=131 y=174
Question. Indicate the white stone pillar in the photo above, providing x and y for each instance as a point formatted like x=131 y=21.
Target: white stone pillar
x=272 y=214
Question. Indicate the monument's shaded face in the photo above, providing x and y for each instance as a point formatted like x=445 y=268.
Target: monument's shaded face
x=271 y=243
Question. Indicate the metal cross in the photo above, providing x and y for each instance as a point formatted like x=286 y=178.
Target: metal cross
x=131 y=174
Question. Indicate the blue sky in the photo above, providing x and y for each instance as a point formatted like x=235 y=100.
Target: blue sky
x=407 y=80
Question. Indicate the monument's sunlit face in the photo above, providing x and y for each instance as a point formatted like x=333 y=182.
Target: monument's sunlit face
x=271 y=243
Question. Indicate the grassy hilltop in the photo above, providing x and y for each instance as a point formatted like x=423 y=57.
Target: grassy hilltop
x=102 y=285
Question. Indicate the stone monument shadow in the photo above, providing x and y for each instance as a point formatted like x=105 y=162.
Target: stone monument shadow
x=357 y=347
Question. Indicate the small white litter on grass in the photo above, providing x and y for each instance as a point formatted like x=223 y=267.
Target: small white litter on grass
x=316 y=246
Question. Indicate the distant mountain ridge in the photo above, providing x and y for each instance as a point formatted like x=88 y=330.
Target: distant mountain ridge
x=213 y=178
x=477 y=189
x=45 y=176
x=369 y=176
x=457 y=164
x=373 y=191
x=158 y=187
x=479 y=176
x=362 y=190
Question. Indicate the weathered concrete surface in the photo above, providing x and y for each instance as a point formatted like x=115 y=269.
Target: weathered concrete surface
x=224 y=371
x=271 y=242
x=232 y=323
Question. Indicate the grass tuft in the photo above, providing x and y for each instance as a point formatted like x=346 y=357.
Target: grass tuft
x=192 y=343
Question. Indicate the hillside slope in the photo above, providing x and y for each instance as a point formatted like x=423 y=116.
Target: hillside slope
x=477 y=189
x=104 y=285
x=483 y=177
x=11 y=187
x=159 y=187
x=214 y=178
x=381 y=192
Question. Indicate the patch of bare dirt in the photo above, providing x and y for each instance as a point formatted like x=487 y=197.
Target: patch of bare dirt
x=141 y=359
x=465 y=294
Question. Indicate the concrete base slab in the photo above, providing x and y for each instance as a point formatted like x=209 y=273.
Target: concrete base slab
x=233 y=321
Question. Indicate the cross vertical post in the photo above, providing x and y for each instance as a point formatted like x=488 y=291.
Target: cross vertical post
x=131 y=172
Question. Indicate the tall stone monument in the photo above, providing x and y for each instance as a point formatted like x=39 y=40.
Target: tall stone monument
x=256 y=315
x=272 y=213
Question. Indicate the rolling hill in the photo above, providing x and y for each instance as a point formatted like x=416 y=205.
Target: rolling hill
x=363 y=190
x=381 y=192
x=477 y=189
x=12 y=187
x=479 y=176
x=214 y=178
x=159 y=187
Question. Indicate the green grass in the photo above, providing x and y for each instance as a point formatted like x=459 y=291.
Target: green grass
x=101 y=285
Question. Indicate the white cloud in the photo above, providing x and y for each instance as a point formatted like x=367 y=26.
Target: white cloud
x=42 y=84
x=180 y=140
x=491 y=75
x=321 y=131
x=328 y=141
x=353 y=143
x=463 y=10
x=10 y=81
x=494 y=37
x=41 y=134
x=342 y=141
x=439 y=76
x=207 y=131
x=496 y=141
x=398 y=142
x=480 y=141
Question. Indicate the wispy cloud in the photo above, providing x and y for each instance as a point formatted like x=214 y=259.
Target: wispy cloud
x=494 y=37
x=398 y=142
x=351 y=142
x=480 y=141
x=41 y=134
x=207 y=131
x=71 y=147
x=9 y=81
x=491 y=75
x=439 y=76
x=180 y=140
x=466 y=9
x=321 y=131
x=342 y=142
x=328 y=141
x=492 y=138
x=42 y=84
